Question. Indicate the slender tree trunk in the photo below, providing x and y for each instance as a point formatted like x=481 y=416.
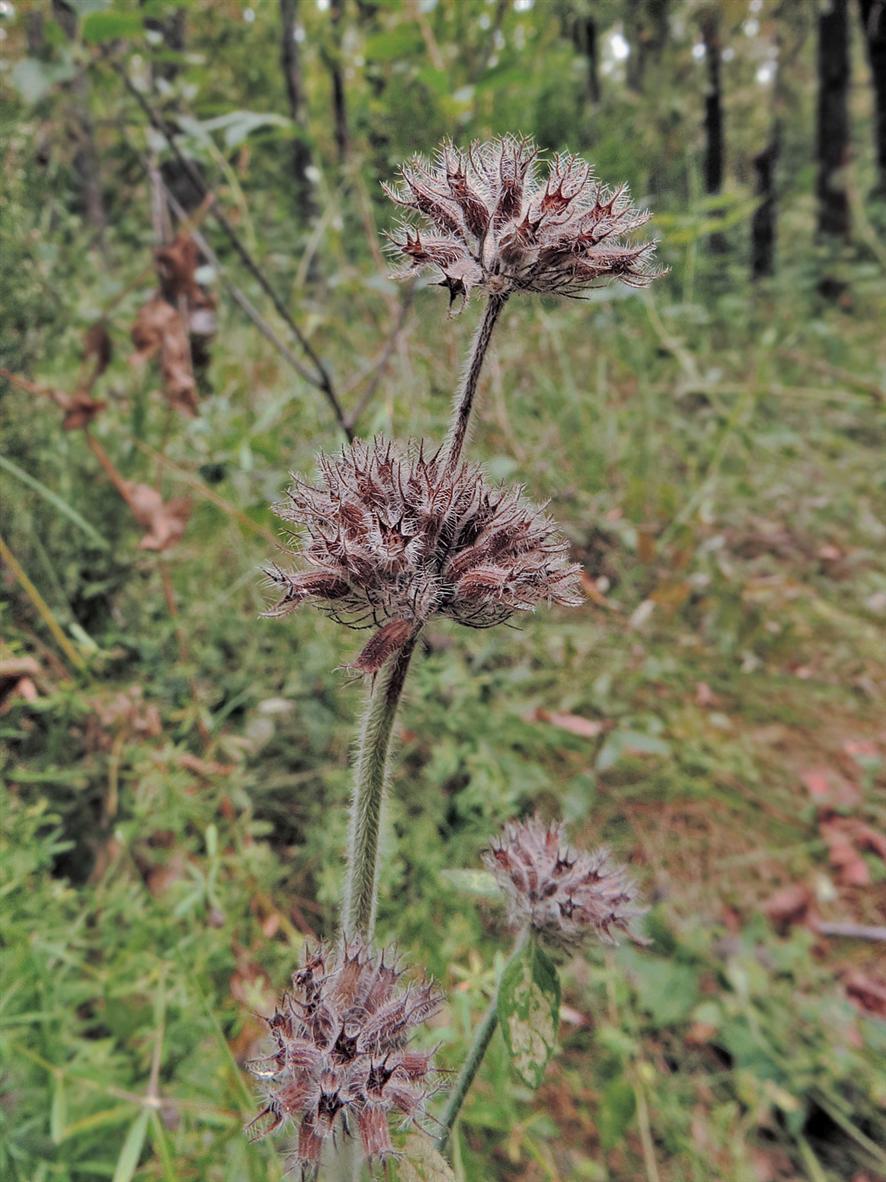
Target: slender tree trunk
x=833 y=143
x=763 y=223
x=646 y=30
x=86 y=158
x=873 y=19
x=586 y=40
x=301 y=152
x=336 y=73
x=714 y=165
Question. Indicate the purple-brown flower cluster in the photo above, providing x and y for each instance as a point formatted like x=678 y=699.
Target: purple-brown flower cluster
x=564 y=896
x=491 y=217
x=340 y=1058
x=394 y=536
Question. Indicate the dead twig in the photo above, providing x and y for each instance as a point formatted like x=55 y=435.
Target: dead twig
x=320 y=378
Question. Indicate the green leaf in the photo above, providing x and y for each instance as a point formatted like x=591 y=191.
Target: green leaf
x=529 y=1012
x=58 y=1113
x=34 y=79
x=132 y=1147
x=111 y=26
x=422 y=1163
x=667 y=989
x=616 y=1111
x=55 y=500
x=236 y=126
x=472 y=882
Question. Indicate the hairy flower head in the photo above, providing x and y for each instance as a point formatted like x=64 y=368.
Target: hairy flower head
x=491 y=216
x=564 y=896
x=393 y=536
x=340 y=1055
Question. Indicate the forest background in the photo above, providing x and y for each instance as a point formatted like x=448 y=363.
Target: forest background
x=194 y=300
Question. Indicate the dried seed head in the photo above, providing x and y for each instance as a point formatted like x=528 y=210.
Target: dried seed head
x=393 y=536
x=565 y=896
x=339 y=1056
x=492 y=218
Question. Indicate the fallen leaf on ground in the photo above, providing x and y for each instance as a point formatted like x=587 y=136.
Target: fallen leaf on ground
x=575 y=724
x=869 y=993
x=790 y=905
x=829 y=790
x=850 y=867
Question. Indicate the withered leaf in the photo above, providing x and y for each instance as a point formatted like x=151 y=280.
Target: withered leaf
x=164 y=521
x=159 y=328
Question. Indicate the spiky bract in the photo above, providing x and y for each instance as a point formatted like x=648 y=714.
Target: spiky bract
x=491 y=217
x=394 y=535
x=340 y=1059
x=564 y=896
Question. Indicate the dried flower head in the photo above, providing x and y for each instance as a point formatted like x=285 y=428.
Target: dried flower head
x=394 y=536
x=340 y=1055
x=490 y=217
x=565 y=896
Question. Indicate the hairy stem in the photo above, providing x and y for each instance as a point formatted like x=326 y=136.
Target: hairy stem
x=369 y=784
x=470 y=1067
x=482 y=1038
x=464 y=397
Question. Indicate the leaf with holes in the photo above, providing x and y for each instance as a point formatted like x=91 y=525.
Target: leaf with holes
x=529 y=1012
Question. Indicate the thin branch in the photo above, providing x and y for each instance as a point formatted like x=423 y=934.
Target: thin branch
x=852 y=931
x=240 y=298
x=321 y=379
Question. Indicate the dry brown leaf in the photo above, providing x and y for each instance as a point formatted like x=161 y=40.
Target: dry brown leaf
x=575 y=724
x=868 y=993
x=593 y=592
x=790 y=905
x=12 y=668
x=204 y=767
x=850 y=867
x=164 y=520
x=99 y=349
x=80 y=409
x=829 y=790
x=176 y=267
x=160 y=329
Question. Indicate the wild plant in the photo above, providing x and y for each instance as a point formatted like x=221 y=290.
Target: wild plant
x=389 y=536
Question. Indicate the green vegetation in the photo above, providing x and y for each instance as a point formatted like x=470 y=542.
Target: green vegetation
x=175 y=769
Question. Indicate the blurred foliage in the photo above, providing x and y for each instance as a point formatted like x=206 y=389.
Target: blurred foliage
x=174 y=815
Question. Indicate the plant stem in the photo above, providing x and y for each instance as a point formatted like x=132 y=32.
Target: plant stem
x=41 y=606
x=369 y=784
x=470 y=1067
x=464 y=397
x=482 y=1038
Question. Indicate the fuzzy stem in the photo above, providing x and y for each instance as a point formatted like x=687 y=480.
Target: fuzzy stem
x=464 y=397
x=482 y=1038
x=470 y=1067
x=369 y=784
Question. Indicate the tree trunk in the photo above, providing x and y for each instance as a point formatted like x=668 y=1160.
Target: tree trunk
x=833 y=119
x=86 y=159
x=763 y=223
x=301 y=152
x=873 y=19
x=646 y=30
x=586 y=41
x=336 y=71
x=713 y=115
